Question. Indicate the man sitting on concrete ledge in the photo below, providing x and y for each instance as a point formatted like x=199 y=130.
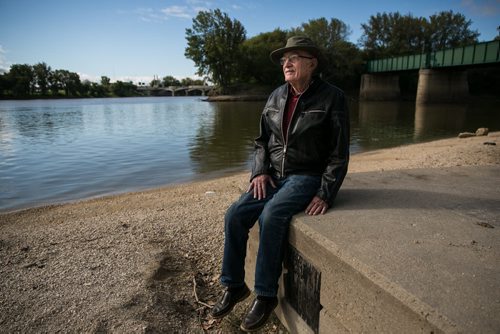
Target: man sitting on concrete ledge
x=300 y=161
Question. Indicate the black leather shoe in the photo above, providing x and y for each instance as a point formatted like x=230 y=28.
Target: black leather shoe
x=228 y=300
x=258 y=314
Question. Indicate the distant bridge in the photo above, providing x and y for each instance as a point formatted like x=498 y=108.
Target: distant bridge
x=176 y=90
x=442 y=74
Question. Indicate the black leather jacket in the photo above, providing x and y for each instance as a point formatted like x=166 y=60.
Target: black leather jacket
x=318 y=137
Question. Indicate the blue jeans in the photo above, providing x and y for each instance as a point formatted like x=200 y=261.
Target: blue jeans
x=274 y=213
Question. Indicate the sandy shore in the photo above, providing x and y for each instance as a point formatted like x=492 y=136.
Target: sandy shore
x=149 y=261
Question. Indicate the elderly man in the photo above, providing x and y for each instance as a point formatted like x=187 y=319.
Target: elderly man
x=301 y=158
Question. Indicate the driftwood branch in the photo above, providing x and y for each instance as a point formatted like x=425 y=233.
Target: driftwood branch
x=196 y=295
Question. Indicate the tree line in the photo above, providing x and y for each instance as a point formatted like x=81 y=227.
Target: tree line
x=221 y=52
x=40 y=81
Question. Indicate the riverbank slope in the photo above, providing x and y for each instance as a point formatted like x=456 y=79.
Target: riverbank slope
x=149 y=261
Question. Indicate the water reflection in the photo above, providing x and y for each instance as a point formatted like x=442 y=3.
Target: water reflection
x=46 y=123
x=438 y=118
x=380 y=124
x=386 y=124
x=42 y=122
x=227 y=140
x=59 y=150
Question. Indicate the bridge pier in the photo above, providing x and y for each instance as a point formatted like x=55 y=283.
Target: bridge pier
x=442 y=86
x=379 y=87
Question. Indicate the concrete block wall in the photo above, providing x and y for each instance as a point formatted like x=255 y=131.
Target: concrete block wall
x=396 y=255
x=352 y=299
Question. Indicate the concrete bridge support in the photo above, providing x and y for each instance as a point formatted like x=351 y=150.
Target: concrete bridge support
x=379 y=87
x=442 y=86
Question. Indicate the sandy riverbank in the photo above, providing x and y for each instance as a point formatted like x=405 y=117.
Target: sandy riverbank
x=131 y=263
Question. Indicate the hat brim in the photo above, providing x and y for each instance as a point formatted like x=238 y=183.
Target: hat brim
x=277 y=54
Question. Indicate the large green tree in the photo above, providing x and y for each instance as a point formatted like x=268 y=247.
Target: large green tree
x=450 y=30
x=343 y=58
x=21 y=80
x=55 y=82
x=325 y=33
x=72 y=84
x=170 y=81
x=64 y=80
x=97 y=90
x=191 y=82
x=392 y=34
x=214 y=44
x=105 y=81
x=4 y=83
x=257 y=66
x=121 y=88
x=42 y=74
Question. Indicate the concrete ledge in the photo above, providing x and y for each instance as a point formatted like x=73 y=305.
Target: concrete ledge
x=406 y=251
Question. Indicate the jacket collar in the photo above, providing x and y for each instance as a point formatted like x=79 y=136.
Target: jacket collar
x=315 y=82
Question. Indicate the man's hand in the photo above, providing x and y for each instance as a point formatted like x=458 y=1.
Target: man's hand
x=316 y=207
x=258 y=185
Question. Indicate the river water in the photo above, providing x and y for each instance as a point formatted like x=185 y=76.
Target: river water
x=61 y=150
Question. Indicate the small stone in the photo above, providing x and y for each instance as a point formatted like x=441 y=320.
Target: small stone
x=466 y=135
x=492 y=143
x=482 y=132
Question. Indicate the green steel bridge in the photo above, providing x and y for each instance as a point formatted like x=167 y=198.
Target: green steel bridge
x=442 y=75
x=470 y=55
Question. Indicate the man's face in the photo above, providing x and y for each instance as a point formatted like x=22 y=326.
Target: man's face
x=298 y=66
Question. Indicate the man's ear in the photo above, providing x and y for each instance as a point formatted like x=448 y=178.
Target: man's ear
x=314 y=63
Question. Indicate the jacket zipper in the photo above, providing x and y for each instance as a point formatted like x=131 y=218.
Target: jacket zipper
x=285 y=140
x=283 y=162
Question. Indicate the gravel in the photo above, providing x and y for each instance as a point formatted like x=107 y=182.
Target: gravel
x=149 y=262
